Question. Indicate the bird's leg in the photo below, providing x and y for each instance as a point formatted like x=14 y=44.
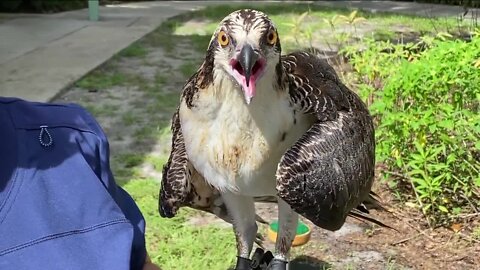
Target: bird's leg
x=287 y=227
x=242 y=211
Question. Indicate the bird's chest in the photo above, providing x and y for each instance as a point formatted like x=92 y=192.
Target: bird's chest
x=236 y=146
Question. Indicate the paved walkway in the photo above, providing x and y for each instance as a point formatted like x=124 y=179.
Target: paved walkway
x=40 y=55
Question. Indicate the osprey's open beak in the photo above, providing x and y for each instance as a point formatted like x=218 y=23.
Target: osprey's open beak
x=247 y=68
x=248 y=58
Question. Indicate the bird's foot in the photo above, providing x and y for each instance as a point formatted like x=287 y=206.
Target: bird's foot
x=277 y=264
x=261 y=259
x=243 y=264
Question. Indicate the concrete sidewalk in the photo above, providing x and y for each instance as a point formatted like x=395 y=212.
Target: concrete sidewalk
x=40 y=55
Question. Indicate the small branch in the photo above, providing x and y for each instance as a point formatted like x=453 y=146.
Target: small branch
x=405 y=239
x=464 y=216
x=419 y=201
x=468 y=238
x=423 y=232
x=456 y=258
x=472 y=205
x=403 y=176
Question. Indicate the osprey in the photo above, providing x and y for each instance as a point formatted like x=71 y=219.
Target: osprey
x=253 y=124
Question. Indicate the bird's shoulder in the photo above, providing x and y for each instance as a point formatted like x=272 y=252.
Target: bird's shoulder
x=314 y=86
x=190 y=89
x=199 y=80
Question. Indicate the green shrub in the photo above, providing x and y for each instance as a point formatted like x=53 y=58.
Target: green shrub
x=426 y=104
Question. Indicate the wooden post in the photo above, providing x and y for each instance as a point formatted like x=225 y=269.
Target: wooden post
x=93 y=13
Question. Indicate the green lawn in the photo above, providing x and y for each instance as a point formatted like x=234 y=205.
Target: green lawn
x=172 y=243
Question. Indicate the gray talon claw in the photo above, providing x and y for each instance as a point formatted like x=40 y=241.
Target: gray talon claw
x=277 y=264
x=243 y=264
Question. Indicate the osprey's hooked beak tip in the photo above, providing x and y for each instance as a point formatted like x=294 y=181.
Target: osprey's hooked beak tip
x=247 y=67
x=247 y=59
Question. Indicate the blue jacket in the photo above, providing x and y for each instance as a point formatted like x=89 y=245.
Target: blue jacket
x=59 y=205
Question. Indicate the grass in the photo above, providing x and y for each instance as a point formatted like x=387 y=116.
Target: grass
x=172 y=243
x=476 y=233
x=188 y=68
x=131 y=160
x=321 y=25
x=108 y=110
x=129 y=118
x=160 y=79
x=167 y=100
x=200 y=42
x=100 y=79
x=109 y=75
x=135 y=50
x=157 y=161
x=157 y=37
x=383 y=34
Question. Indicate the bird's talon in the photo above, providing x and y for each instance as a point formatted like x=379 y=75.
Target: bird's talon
x=243 y=264
x=261 y=259
x=257 y=258
x=277 y=264
x=267 y=258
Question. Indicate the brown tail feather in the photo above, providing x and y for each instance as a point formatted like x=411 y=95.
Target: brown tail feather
x=365 y=217
x=374 y=202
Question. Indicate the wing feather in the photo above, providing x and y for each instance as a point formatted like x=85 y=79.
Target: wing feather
x=331 y=167
x=181 y=184
x=176 y=175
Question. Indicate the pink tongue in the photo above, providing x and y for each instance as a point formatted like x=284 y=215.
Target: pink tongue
x=250 y=89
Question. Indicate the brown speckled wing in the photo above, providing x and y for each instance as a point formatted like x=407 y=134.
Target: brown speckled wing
x=181 y=184
x=314 y=86
x=176 y=177
x=329 y=171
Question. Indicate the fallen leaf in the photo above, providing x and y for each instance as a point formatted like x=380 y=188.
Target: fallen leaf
x=456 y=227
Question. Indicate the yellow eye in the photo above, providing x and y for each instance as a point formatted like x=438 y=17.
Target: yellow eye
x=272 y=37
x=223 y=38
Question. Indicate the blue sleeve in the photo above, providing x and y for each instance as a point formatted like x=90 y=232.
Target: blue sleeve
x=59 y=205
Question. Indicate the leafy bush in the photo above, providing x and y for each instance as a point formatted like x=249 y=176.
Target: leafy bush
x=428 y=122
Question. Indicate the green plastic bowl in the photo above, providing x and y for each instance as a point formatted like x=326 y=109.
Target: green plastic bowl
x=302 y=235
